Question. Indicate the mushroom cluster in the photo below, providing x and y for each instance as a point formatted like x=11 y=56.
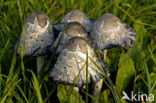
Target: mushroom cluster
x=78 y=37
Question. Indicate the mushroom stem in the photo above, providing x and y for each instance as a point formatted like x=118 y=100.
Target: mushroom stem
x=40 y=63
x=97 y=89
x=98 y=85
x=105 y=54
x=76 y=89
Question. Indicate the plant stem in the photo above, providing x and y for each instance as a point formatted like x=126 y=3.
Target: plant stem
x=40 y=64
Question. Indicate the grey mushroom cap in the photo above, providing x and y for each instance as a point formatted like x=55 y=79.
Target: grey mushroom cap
x=109 y=31
x=39 y=35
x=71 y=64
x=73 y=29
x=76 y=16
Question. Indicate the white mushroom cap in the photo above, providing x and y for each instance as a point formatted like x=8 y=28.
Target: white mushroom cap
x=71 y=63
x=76 y=16
x=73 y=29
x=109 y=31
x=39 y=35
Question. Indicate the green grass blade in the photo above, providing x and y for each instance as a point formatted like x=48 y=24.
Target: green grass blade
x=52 y=91
x=152 y=56
x=9 y=88
x=22 y=92
x=92 y=97
x=148 y=78
x=0 y=80
x=22 y=63
x=87 y=77
x=37 y=88
x=18 y=97
x=154 y=85
x=109 y=84
x=4 y=50
x=132 y=18
x=13 y=63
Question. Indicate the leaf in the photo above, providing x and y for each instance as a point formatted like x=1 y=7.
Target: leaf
x=67 y=94
x=104 y=97
x=87 y=77
x=152 y=55
x=125 y=73
x=9 y=88
x=148 y=78
x=12 y=67
x=0 y=80
x=154 y=92
x=37 y=88
x=141 y=35
x=153 y=80
x=4 y=50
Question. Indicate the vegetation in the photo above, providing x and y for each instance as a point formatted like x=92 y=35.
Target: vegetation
x=134 y=70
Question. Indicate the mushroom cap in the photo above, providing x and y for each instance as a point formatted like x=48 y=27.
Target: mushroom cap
x=71 y=63
x=39 y=35
x=77 y=16
x=73 y=29
x=108 y=31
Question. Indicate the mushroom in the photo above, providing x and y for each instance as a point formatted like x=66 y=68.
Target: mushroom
x=73 y=29
x=37 y=36
x=70 y=67
x=76 y=16
x=108 y=31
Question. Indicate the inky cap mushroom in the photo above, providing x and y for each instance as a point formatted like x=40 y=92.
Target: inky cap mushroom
x=71 y=63
x=73 y=29
x=39 y=35
x=109 y=31
x=76 y=16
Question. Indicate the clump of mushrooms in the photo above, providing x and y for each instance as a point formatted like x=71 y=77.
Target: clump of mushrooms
x=108 y=31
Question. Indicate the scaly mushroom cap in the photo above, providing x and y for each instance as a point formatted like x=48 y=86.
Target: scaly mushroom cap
x=109 y=31
x=73 y=29
x=39 y=35
x=77 y=16
x=71 y=63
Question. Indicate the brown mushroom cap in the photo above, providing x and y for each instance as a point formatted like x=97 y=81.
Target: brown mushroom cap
x=71 y=45
x=73 y=29
x=109 y=31
x=41 y=17
x=71 y=63
x=39 y=35
x=76 y=16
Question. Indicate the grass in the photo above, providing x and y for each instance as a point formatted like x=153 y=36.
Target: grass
x=18 y=82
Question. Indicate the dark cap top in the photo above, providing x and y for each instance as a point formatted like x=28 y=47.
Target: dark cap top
x=78 y=16
x=39 y=35
x=109 y=31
